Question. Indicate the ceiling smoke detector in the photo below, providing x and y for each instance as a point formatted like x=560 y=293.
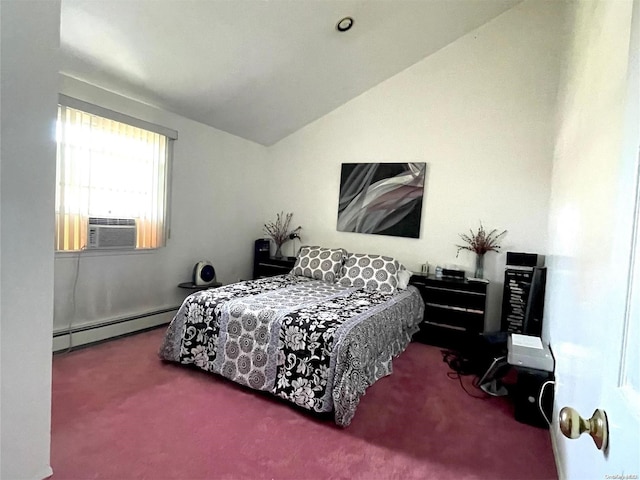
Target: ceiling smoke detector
x=344 y=24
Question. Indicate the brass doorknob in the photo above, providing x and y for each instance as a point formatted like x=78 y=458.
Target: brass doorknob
x=572 y=425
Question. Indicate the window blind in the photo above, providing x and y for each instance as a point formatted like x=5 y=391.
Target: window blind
x=108 y=168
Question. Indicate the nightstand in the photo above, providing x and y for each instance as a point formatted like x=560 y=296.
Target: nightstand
x=193 y=286
x=454 y=308
x=271 y=266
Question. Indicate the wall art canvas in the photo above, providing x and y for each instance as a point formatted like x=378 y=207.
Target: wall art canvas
x=381 y=198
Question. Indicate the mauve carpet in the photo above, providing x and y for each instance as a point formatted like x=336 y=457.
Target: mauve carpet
x=121 y=413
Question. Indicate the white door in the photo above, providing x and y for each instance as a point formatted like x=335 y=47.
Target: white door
x=592 y=312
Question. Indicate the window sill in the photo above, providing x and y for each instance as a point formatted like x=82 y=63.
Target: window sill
x=105 y=252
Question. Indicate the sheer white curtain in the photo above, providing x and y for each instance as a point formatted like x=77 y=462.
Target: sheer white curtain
x=107 y=168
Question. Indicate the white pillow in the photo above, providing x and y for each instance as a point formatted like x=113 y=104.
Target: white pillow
x=403 y=278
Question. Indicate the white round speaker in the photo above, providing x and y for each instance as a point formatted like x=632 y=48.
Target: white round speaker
x=204 y=273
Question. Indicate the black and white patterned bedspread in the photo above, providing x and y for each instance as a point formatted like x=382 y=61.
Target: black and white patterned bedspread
x=316 y=344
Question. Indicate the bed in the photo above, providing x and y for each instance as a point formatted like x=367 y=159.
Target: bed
x=315 y=339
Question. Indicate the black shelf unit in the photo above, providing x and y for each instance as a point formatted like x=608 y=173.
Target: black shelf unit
x=454 y=308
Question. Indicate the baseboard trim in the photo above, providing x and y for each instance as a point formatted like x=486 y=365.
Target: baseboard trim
x=81 y=335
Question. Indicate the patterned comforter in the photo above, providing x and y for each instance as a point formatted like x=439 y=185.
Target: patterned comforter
x=316 y=344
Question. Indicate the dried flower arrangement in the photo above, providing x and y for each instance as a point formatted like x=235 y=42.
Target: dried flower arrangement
x=481 y=242
x=279 y=231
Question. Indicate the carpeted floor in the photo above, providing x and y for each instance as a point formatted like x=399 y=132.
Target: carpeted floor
x=121 y=413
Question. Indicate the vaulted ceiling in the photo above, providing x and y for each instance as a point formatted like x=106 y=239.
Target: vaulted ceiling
x=258 y=69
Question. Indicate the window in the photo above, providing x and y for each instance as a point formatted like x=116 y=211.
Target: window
x=109 y=165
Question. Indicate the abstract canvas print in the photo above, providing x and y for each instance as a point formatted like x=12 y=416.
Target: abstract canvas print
x=381 y=198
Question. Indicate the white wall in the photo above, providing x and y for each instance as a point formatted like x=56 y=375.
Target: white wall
x=479 y=112
x=30 y=38
x=215 y=189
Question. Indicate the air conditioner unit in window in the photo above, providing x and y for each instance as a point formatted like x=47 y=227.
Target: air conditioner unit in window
x=112 y=233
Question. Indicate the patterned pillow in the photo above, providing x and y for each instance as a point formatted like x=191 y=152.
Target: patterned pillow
x=319 y=263
x=371 y=272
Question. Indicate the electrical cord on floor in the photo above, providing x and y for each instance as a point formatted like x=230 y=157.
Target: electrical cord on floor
x=462 y=366
x=73 y=301
x=548 y=382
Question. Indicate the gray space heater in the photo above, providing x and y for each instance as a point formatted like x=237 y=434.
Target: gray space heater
x=204 y=273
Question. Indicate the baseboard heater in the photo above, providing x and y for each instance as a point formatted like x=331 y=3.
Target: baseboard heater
x=66 y=338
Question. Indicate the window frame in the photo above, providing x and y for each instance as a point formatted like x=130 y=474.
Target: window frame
x=170 y=134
